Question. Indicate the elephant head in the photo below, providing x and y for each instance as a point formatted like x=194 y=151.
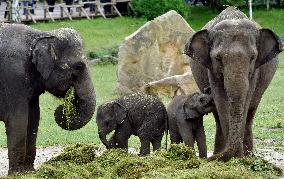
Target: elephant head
x=196 y=105
x=109 y=116
x=233 y=51
x=60 y=61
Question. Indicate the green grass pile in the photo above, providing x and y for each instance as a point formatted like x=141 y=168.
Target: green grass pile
x=85 y=161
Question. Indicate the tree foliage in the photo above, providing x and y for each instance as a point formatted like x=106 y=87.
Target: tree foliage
x=153 y=8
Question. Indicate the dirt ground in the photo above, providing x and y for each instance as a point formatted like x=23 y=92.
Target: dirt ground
x=44 y=154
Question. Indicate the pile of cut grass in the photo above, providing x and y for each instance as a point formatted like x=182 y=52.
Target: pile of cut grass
x=85 y=161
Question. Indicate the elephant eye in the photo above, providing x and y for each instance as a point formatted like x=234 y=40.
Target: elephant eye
x=201 y=100
x=106 y=123
x=251 y=59
x=219 y=60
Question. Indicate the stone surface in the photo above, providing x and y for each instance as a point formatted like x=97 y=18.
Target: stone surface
x=172 y=86
x=153 y=53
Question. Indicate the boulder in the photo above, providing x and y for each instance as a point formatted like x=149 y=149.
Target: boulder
x=153 y=53
x=172 y=86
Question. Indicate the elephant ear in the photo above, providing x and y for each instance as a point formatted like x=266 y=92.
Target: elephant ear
x=269 y=47
x=198 y=48
x=43 y=55
x=120 y=112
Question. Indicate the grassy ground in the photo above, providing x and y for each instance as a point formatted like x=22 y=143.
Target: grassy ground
x=101 y=33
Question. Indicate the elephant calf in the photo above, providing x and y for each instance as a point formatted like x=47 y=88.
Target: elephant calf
x=186 y=120
x=135 y=114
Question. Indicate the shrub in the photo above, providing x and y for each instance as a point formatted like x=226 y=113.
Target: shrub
x=105 y=56
x=281 y=3
x=150 y=9
x=237 y=3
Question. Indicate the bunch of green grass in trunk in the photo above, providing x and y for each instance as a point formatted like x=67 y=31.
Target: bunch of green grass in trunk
x=70 y=110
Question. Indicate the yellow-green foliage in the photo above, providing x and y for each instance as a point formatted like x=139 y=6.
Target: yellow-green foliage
x=83 y=161
x=69 y=109
x=79 y=154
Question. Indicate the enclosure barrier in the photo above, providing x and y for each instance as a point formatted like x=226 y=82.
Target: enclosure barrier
x=24 y=11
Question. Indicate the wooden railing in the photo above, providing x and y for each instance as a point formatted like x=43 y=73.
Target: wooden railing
x=95 y=8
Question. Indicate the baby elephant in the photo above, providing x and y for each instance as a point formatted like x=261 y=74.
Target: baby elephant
x=135 y=114
x=186 y=120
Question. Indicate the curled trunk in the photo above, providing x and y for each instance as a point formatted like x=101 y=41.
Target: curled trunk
x=84 y=101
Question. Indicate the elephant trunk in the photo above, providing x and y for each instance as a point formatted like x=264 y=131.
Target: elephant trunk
x=236 y=87
x=84 y=102
x=103 y=138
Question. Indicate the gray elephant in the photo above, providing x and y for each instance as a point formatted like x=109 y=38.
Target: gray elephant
x=33 y=62
x=136 y=114
x=185 y=118
x=238 y=59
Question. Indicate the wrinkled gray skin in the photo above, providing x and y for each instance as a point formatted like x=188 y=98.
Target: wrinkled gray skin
x=136 y=114
x=33 y=62
x=185 y=116
x=238 y=59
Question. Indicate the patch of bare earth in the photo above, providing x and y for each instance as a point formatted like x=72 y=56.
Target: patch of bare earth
x=43 y=155
x=271 y=150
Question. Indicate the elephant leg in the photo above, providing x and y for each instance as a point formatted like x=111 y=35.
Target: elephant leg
x=121 y=140
x=112 y=141
x=145 y=146
x=175 y=138
x=248 y=136
x=201 y=142
x=34 y=116
x=186 y=133
x=220 y=142
x=16 y=131
x=156 y=142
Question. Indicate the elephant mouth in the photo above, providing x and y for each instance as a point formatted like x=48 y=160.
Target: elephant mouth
x=209 y=104
x=60 y=91
x=209 y=107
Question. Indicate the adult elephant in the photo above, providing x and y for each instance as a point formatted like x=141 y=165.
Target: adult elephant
x=237 y=59
x=33 y=62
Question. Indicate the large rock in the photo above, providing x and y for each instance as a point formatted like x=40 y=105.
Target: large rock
x=155 y=53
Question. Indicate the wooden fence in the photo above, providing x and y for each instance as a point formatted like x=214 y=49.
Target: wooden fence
x=27 y=11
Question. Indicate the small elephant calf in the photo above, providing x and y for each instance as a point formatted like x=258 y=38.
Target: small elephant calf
x=135 y=114
x=186 y=120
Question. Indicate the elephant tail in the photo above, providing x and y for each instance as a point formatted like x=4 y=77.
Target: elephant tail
x=167 y=130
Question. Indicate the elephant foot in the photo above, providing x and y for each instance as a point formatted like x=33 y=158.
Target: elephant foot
x=142 y=154
x=20 y=169
x=248 y=153
x=226 y=155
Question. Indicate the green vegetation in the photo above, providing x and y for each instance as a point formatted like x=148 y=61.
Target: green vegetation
x=273 y=19
x=70 y=111
x=99 y=33
x=150 y=9
x=237 y=3
x=84 y=161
